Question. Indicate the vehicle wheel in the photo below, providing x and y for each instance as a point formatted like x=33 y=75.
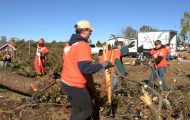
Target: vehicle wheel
x=100 y=52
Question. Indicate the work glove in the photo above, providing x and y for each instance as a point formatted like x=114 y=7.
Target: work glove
x=38 y=54
x=42 y=55
x=107 y=64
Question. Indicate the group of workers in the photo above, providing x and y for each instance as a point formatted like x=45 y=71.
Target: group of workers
x=78 y=67
x=39 y=60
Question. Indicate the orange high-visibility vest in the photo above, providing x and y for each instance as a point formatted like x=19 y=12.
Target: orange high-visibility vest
x=71 y=75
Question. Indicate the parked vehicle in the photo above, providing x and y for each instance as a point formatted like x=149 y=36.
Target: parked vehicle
x=96 y=50
x=120 y=40
x=124 y=42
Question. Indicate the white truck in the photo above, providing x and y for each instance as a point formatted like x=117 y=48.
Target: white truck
x=122 y=41
x=96 y=50
x=147 y=39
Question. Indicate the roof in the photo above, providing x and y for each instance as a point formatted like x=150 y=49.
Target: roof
x=7 y=45
x=160 y=31
x=116 y=38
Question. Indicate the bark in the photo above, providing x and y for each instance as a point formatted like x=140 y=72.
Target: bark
x=17 y=83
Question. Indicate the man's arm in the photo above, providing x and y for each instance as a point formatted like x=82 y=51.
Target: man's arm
x=87 y=67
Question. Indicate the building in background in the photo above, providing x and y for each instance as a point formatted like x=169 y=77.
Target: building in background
x=8 y=48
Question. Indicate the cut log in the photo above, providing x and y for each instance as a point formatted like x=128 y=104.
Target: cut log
x=107 y=82
x=18 y=83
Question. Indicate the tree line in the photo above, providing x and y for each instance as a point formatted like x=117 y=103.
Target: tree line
x=184 y=33
x=183 y=36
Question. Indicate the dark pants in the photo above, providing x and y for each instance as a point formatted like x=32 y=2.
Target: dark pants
x=6 y=64
x=80 y=101
x=155 y=73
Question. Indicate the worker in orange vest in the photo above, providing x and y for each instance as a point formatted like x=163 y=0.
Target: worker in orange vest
x=76 y=66
x=160 y=64
x=41 y=52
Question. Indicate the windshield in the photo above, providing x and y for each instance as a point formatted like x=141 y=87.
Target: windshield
x=131 y=44
x=92 y=46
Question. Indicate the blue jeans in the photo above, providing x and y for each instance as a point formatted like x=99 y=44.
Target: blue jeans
x=155 y=73
x=168 y=57
x=140 y=56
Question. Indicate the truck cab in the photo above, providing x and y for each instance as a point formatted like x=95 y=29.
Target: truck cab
x=96 y=51
x=132 y=46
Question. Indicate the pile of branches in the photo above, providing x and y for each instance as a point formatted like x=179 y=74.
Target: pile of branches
x=135 y=100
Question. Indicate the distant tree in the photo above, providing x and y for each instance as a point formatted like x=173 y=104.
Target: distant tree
x=90 y=41
x=146 y=28
x=113 y=36
x=54 y=41
x=129 y=32
x=179 y=39
x=185 y=26
x=98 y=44
x=3 y=40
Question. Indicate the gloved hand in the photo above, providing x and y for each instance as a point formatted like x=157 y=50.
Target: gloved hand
x=42 y=55
x=107 y=64
x=38 y=54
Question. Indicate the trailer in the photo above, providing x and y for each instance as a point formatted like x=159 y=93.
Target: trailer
x=147 y=39
x=96 y=51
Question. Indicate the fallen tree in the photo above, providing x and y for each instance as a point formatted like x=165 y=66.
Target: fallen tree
x=18 y=83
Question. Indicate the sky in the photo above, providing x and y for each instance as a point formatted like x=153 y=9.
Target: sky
x=55 y=19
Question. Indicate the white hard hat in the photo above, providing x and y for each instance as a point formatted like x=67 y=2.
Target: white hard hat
x=84 y=24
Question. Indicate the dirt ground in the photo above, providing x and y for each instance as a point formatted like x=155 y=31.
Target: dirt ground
x=127 y=104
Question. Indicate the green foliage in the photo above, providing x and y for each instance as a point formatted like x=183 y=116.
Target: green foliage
x=23 y=63
x=3 y=40
x=99 y=44
x=52 y=97
x=25 y=54
x=54 y=57
x=185 y=26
